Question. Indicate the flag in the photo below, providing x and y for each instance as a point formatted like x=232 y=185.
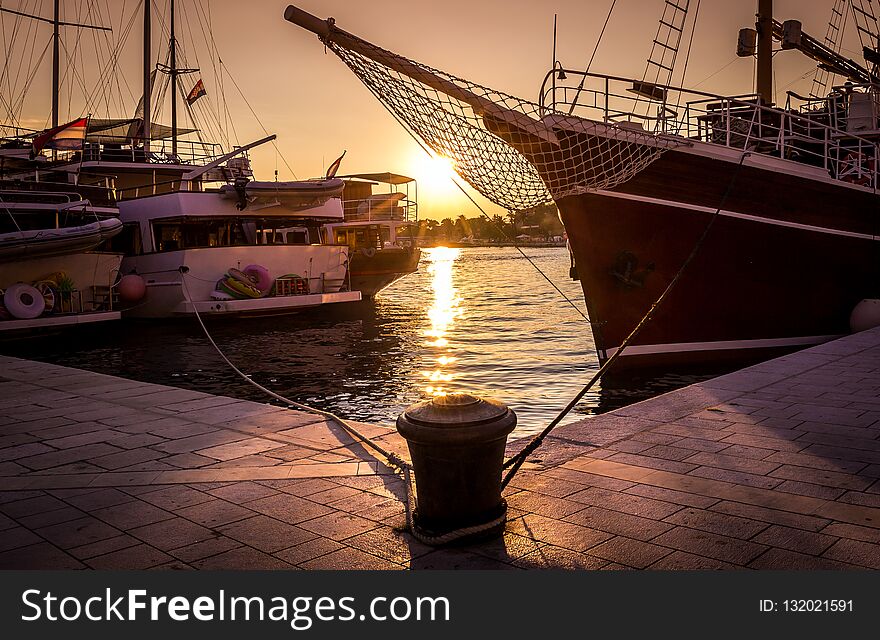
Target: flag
x=68 y=136
x=196 y=92
x=333 y=168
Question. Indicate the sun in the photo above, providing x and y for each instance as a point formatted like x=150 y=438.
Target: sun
x=435 y=172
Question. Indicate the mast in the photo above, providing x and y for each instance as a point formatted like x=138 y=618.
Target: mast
x=147 y=84
x=173 y=74
x=55 y=63
x=764 y=26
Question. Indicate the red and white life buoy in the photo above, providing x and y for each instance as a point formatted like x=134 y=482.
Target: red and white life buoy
x=24 y=301
x=855 y=169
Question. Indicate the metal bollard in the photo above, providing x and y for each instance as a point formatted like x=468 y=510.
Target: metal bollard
x=457 y=446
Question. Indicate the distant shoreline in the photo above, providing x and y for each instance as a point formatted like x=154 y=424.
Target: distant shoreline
x=490 y=245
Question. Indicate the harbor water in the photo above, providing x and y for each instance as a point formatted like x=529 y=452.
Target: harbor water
x=481 y=320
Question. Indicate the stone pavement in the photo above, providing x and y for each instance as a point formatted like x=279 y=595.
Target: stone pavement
x=772 y=467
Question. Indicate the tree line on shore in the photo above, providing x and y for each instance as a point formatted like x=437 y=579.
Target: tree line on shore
x=539 y=223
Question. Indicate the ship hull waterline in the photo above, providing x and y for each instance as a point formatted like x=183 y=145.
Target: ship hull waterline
x=786 y=260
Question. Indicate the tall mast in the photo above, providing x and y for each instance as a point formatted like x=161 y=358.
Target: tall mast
x=55 y=64
x=148 y=55
x=764 y=26
x=173 y=86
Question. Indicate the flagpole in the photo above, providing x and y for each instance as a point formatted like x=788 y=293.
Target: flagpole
x=148 y=56
x=173 y=85
x=55 y=65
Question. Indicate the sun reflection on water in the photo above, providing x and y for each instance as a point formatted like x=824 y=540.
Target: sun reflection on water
x=444 y=310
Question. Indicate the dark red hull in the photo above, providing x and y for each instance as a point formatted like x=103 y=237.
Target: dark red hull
x=783 y=265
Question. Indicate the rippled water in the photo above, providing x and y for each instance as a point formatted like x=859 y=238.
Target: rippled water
x=478 y=319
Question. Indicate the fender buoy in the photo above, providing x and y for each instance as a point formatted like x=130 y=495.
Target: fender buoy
x=260 y=277
x=132 y=288
x=368 y=252
x=24 y=301
x=51 y=295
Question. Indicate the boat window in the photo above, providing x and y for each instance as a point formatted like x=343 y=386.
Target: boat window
x=193 y=234
x=128 y=241
x=298 y=236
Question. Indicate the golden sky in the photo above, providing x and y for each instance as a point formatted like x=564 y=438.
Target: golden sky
x=318 y=108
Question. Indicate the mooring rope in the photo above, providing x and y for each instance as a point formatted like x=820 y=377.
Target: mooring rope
x=516 y=461
x=394 y=461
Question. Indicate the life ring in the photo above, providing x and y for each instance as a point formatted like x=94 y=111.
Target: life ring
x=368 y=252
x=51 y=295
x=247 y=290
x=24 y=301
x=224 y=288
x=260 y=277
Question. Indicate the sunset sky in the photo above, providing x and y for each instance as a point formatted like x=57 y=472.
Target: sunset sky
x=318 y=108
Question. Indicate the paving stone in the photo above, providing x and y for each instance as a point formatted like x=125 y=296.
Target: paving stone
x=16 y=537
x=544 y=505
x=65 y=456
x=243 y=492
x=288 y=508
x=32 y=506
x=41 y=555
x=782 y=559
x=629 y=552
x=551 y=557
x=102 y=547
x=175 y=497
x=719 y=523
x=240 y=448
x=450 y=558
x=350 y=559
x=215 y=513
x=822 y=477
x=47 y=518
x=681 y=561
x=205 y=549
x=99 y=498
x=863 y=554
x=774 y=516
x=266 y=534
x=126 y=458
x=670 y=495
x=628 y=503
x=130 y=515
x=795 y=540
x=807 y=489
x=173 y=533
x=558 y=532
x=242 y=558
x=78 y=532
x=618 y=523
x=711 y=545
x=309 y=550
x=338 y=525
x=736 y=477
x=853 y=532
x=140 y=556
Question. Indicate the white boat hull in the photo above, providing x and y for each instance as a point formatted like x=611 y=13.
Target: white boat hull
x=179 y=282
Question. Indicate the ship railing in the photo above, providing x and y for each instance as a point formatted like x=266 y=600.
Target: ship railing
x=811 y=133
x=404 y=210
x=193 y=152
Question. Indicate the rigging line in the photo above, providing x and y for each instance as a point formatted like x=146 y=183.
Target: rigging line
x=274 y=144
x=20 y=103
x=32 y=38
x=687 y=56
x=715 y=73
x=595 y=49
x=516 y=461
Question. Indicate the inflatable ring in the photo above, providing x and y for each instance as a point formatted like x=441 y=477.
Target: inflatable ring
x=369 y=252
x=247 y=290
x=221 y=295
x=50 y=292
x=241 y=276
x=223 y=287
x=23 y=301
x=260 y=277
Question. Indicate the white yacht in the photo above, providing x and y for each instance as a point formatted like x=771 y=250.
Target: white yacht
x=246 y=248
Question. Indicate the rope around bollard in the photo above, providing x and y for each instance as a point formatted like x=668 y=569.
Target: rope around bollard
x=393 y=460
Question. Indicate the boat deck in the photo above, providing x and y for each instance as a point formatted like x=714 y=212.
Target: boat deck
x=771 y=467
x=56 y=321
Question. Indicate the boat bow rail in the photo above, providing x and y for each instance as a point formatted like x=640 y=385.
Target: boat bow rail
x=502 y=145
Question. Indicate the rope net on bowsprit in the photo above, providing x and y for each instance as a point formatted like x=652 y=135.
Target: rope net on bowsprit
x=516 y=153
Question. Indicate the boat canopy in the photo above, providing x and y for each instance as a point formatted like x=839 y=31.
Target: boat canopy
x=387 y=177
x=126 y=130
